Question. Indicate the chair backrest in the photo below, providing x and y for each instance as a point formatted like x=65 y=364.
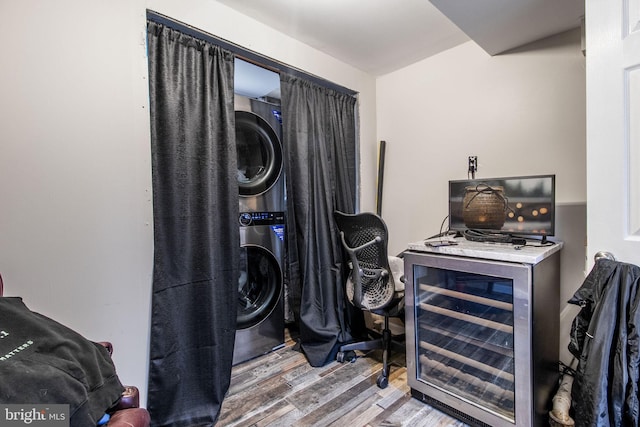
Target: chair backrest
x=365 y=238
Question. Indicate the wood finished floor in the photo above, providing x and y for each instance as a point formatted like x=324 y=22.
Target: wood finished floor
x=282 y=389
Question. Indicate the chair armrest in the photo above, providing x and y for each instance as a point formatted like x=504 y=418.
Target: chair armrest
x=131 y=395
x=130 y=398
x=108 y=346
x=134 y=417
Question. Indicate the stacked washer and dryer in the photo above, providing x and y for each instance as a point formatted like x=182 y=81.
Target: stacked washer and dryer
x=262 y=202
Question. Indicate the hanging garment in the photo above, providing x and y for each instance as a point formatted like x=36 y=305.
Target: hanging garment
x=604 y=338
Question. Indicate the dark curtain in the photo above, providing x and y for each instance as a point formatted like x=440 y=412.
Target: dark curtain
x=319 y=138
x=195 y=200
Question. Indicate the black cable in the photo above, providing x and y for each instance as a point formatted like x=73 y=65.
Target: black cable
x=565 y=369
x=442 y=225
x=483 y=236
x=541 y=243
x=441 y=233
x=483 y=188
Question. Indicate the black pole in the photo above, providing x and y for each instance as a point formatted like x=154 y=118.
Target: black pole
x=383 y=145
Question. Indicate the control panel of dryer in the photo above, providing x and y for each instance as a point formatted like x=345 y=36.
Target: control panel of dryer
x=261 y=218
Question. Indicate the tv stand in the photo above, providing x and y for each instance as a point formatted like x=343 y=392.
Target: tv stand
x=486 y=237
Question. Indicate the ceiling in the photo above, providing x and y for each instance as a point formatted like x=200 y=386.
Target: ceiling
x=381 y=36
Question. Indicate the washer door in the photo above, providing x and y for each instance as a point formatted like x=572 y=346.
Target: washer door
x=259 y=154
x=259 y=285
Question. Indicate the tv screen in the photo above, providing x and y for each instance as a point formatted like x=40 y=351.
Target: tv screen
x=520 y=206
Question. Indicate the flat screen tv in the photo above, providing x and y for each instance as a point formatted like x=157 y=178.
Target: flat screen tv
x=517 y=206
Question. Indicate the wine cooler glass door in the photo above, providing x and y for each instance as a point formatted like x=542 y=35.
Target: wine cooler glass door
x=466 y=346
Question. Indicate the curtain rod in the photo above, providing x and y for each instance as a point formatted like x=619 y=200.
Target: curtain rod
x=244 y=53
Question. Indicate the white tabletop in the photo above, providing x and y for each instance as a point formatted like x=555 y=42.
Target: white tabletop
x=531 y=253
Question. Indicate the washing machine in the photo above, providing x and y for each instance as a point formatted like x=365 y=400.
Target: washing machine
x=260 y=311
x=259 y=152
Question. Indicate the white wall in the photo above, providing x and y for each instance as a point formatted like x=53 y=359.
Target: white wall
x=76 y=238
x=75 y=222
x=521 y=113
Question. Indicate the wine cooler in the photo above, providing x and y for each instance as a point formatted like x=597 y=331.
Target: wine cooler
x=482 y=330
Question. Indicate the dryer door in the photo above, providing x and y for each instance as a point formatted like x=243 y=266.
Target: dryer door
x=259 y=154
x=259 y=286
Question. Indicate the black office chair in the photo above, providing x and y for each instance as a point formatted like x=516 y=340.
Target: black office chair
x=375 y=283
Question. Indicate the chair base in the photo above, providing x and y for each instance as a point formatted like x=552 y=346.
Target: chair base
x=347 y=353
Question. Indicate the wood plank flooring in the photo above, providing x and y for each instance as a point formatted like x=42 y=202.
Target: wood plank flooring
x=282 y=389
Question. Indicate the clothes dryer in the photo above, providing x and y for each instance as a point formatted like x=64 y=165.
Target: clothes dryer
x=259 y=152
x=260 y=310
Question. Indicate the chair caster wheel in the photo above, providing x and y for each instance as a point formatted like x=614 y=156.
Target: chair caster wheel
x=346 y=356
x=382 y=382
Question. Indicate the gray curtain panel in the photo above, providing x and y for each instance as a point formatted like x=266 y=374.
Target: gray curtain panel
x=197 y=250
x=319 y=140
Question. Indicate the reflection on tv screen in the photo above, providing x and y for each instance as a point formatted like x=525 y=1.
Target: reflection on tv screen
x=516 y=205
